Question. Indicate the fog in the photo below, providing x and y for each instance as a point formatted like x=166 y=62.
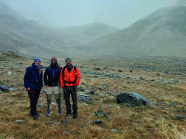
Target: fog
x=66 y=13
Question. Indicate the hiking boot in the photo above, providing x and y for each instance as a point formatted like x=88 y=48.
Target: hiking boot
x=59 y=112
x=35 y=117
x=48 y=113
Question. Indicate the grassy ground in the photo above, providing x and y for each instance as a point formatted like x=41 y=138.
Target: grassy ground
x=138 y=122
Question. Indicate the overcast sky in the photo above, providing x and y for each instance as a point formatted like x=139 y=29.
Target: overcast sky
x=64 y=13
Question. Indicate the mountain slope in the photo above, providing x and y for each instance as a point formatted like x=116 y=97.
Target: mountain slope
x=89 y=32
x=162 y=33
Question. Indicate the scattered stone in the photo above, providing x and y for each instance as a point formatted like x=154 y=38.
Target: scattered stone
x=173 y=81
x=119 y=70
x=158 y=74
x=83 y=83
x=91 y=92
x=179 y=116
x=166 y=108
x=67 y=132
x=85 y=98
x=11 y=89
x=44 y=91
x=64 y=121
x=9 y=73
x=100 y=113
x=173 y=103
x=97 y=68
x=98 y=122
x=127 y=76
x=4 y=88
x=142 y=78
x=118 y=107
x=179 y=95
x=19 y=121
x=84 y=104
x=132 y=99
x=9 y=101
x=122 y=131
x=114 y=130
x=40 y=104
x=110 y=106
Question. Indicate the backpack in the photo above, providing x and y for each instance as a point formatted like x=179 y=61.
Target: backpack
x=63 y=75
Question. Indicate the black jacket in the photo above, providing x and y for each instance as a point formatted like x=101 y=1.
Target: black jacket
x=51 y=75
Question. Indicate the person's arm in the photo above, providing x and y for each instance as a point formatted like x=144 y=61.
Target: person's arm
x=45 y=77
x=61 y=78
x=26 y=78
x=78 y=76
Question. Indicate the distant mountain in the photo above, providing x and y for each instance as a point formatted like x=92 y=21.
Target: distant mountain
x=163 y=33
x=30 y=38
x=89 y=32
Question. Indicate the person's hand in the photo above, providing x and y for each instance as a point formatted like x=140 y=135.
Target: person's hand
x=28 y=88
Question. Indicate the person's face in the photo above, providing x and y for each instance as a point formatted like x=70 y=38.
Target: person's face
x=53 y=62
x=68 y=63
x=37 y=63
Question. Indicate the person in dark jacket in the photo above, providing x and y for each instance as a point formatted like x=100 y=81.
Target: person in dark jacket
x=51 y=80
x=33 y=84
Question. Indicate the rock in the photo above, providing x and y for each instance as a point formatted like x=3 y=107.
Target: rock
x=84 y=97
x=9 y=73
x=44 y=91
x=11 y=89
x=173 y=81
x=127 y=76
x=64 y=121
x=40 y=104
x=9 y=101
x=179 y=116
x=91 y=92
x=118 y=107
x=131 y=71
x=122 y=131
x=83 y=83
x=158 y=74
x=97 y=68
x=98 y=122
x=110 y=106
x=4 y=88
x=67 y=132
x=160 y=80
x=114 y=130
x=173 y=103
x=19 y=121
x=119 y=70
x=132 y=99
x=142 y=78
x=179 y=95
x=100 y=113
x=84 y=104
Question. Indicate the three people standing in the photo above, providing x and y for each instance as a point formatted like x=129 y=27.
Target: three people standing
x=55 y=77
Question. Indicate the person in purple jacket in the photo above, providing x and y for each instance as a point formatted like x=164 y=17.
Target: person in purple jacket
x=33 y=82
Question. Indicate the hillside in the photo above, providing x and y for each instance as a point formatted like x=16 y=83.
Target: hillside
x=162 y=33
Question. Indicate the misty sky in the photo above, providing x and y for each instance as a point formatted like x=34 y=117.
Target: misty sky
x=64 y=13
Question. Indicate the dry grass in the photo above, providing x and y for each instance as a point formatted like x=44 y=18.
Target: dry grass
x=138 y=122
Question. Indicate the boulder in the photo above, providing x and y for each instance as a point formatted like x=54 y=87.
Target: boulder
x=132 y=99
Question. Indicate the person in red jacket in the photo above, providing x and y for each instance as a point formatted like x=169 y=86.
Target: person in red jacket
x=69 y=80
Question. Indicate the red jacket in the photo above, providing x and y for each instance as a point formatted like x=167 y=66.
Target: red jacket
x=69 y=77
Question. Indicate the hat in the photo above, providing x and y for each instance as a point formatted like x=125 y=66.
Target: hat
x=53 y=58
x=37 y=59
x=68 y=59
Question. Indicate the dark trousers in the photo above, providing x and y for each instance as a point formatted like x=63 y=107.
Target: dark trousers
x=34 y=96
x=67 y=91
